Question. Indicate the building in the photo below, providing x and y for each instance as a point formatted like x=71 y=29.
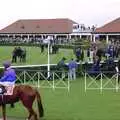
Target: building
x=108 y=32
x=38 y=29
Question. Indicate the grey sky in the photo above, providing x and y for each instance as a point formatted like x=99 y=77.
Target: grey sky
x=88 y=12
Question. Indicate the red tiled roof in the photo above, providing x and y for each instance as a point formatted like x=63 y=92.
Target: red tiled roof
x=40 y=26
x=112 y=27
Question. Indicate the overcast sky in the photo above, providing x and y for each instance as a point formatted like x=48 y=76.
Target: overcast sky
x=88 y=12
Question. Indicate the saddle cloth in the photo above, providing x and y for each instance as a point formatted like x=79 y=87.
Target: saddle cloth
x=9 y=89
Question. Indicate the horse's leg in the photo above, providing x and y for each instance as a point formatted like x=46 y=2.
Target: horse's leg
x=32 y=113
x=28 y=106
x=12 y=105
x=4 y=111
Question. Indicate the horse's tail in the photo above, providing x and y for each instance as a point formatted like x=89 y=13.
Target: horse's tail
x=40 y=106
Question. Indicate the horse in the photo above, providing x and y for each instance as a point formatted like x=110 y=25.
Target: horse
x=19 y=53
x=27 y=95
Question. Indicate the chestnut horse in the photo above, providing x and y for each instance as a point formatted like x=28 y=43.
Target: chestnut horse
x=26 y=94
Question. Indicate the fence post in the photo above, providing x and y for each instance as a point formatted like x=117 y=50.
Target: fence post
x=85 y=81
x=101 y=79
x=68 y=82
x=53 y=80
x=117 y=85
x=38 y=81
x=24 y=77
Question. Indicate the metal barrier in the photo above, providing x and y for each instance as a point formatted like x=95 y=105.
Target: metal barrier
x=102 y=81
x=40 y=79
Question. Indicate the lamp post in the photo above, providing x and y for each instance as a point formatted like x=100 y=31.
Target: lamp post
x=47 y=41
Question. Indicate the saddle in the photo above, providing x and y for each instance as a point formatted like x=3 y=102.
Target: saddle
x=6 y=90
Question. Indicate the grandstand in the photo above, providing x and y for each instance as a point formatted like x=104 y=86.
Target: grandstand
x=35 y=30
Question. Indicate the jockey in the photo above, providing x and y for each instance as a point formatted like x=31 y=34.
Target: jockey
x=9 y=77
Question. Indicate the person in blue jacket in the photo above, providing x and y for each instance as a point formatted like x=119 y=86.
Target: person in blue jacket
x=96 y=64
x=9 y=76
x=72 y=65
x=95 y=70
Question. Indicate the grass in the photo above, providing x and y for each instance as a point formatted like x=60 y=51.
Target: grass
x=76 y=104
x=34 y=56
x=61 y=104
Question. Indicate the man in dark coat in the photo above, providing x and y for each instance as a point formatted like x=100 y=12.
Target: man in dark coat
x=61 y=66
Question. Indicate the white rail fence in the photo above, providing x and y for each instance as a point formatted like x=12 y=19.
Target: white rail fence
x=102 y=81
x=40 y=79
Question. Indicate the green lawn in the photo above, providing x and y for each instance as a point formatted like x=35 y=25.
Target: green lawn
x=61 y=104
x=76 y=104
x=34 y=56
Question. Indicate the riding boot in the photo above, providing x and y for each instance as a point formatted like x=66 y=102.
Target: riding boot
x=3 y=89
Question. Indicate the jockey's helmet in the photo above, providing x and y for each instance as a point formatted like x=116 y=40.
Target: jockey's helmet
x=7 y=64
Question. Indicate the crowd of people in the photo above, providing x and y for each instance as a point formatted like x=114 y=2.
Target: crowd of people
x=53 y=48
x=101 y=59
x=107 y=55
x=32 y=40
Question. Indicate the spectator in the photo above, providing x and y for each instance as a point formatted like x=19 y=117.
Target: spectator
x=88 y=53
x=110 y=51
x=82 y=55
x=72 y=69
x=95 y=70
x=110 y=61
x=109 y=64
x=96 y=64
x=99 y=53
x=91 y=55
x=62 y=66
x=14 y=57
x=42 y=48
x=78 y=54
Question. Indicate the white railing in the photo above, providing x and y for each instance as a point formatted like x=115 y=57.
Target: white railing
x=40 y=79
x=102 y=81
